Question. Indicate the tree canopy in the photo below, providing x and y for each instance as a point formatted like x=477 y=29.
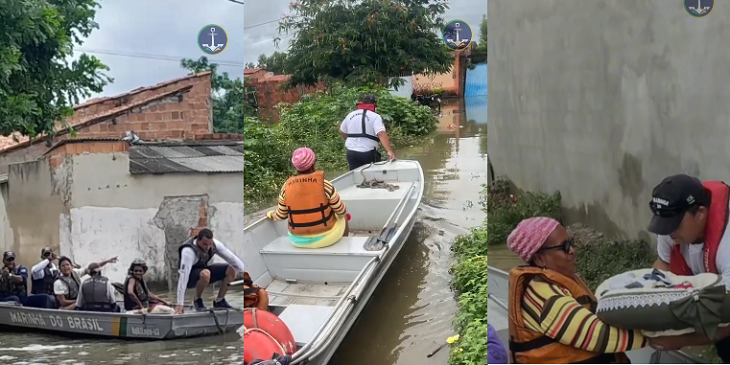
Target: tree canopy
x=38 y=83
x=365 y=41
x=228 y=101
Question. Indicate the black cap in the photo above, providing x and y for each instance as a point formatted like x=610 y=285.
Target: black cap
x=671 y=199
x=8 y=254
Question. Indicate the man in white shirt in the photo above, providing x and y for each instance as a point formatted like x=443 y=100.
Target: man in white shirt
x=197 y=272
x=690 y=219
x=362 y=130
x=44 y=274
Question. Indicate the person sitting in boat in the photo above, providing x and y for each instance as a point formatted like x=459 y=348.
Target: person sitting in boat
x=316 y=214
x=45 y=273
x=138 y=298
x=68 y=284
x=197 y=272
x=551 y=310
x=254 y=296
x=97 y=294
x=14 y=285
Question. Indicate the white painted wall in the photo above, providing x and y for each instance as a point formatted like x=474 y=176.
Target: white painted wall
x=113 y=212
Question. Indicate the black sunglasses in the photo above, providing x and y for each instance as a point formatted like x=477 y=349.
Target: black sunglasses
x=565 y=246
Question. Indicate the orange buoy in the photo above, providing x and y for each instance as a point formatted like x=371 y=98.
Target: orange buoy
x=259 y=345
x=272 y=325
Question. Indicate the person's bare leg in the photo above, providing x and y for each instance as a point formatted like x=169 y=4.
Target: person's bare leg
x=263 y=303
x=203 y=282
x=230 y=276
x=347 y=228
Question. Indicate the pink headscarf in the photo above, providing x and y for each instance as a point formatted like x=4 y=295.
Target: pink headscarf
x=303 y=158
x=530 y=235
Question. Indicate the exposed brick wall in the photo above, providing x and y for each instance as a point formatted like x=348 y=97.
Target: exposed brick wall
x=202 y=219
x=268 y=94
x=170 y=117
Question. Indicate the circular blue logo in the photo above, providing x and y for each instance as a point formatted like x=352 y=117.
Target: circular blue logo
x=457 y=35
x=212 y=39
x=699 y=8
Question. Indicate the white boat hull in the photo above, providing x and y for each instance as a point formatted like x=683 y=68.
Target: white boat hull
x=319 y=293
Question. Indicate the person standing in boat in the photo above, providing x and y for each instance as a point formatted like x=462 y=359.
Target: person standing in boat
x=138 y=298
x=14 y=285
x=316 y=215
x=551 y=309
x=45 y=273
x=690 y=219
x=362 y=130
x=68 y=284
x=97 y=294
x=197 y=272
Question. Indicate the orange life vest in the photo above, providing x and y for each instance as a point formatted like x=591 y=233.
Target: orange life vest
x=250 y=293
x=531 y=347
x=717 y=219
x=308 y=204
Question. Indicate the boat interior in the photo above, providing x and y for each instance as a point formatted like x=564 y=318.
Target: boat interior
x=303 y=284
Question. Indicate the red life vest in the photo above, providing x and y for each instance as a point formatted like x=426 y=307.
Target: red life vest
x=717 y=220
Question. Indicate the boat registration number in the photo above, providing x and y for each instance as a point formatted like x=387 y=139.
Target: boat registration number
x=64 y=321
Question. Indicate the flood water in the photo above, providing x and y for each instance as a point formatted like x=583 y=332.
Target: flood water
x=409 y=316
x=412 y=309
x=29 y=348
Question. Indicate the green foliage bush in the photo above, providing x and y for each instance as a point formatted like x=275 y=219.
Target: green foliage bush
x=599 y=258
x=314 y=122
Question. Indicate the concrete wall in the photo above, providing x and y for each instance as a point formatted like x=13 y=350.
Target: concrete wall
x=602 y=99
x=90 y=208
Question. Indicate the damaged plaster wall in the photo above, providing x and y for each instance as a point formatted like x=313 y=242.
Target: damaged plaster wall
x=175 y=217
x=6 y=233
x=144 y=216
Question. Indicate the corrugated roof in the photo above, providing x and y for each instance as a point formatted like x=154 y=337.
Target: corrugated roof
x=186 y=158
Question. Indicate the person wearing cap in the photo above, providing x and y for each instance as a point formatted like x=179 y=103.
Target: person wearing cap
x=14 y=285
x=690 y=218
x=68 y=284
x=362 y=130
x=138 y=298
x=97 y=294
x=551 y=310
x=310 y=203
x=44 y=273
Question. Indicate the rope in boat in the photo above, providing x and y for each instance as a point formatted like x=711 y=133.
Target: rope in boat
x=375 y=183
x=217 y=324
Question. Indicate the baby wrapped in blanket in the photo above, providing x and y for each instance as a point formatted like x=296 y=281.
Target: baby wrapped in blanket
x=663 y=304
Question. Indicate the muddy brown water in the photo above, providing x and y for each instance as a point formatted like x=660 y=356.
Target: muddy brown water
x=410 y=314
x=412 y=310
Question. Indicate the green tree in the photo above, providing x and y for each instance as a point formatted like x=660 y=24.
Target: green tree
x=366 y=41
x=38 y=84
x=249 y=65
x=228 y=96
x=275 y=63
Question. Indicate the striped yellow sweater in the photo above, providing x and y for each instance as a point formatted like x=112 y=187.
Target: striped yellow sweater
x=550 y=310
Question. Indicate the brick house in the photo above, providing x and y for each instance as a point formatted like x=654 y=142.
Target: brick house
x=255 y=74
x=95 y=196
x=179 y=108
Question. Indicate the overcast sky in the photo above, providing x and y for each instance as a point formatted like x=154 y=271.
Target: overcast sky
x=259 y=39
x=166 y=29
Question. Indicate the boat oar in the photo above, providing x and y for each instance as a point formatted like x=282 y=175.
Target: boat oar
x=389 y=229
x=237 y=282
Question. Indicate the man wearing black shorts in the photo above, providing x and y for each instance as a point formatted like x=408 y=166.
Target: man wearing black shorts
x=196 y=270
x=363 y=130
